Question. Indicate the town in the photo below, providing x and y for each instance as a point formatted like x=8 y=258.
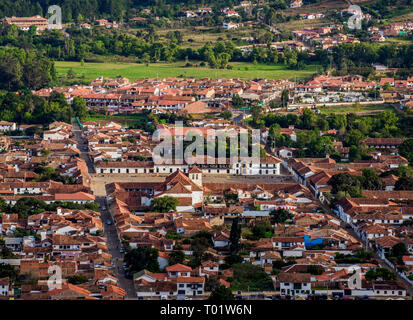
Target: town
x=99 y=202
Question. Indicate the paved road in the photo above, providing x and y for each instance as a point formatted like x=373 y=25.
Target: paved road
x=113 y=242
x=114 y=245
x=82 y=145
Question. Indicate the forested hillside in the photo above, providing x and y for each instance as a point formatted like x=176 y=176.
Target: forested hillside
x=89 y=9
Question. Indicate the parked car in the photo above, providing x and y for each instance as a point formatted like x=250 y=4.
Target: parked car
x=108 y=222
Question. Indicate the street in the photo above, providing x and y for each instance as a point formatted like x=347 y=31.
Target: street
x=112 y=240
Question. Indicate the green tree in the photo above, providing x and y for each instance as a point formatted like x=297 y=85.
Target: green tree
x=164 y=204
x=176 y=256
x=370 y=180
x=79 y=107
x=9 y=271
x=347 y=183
x=142 y=258
x=404 y=183
x=307 y=119
x=406 y=150
x=280 y=215
x=235 y=236
x=77 y=279
x=237 y=101
x=221 y=293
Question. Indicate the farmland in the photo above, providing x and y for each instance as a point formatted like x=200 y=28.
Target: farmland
x=134 y=71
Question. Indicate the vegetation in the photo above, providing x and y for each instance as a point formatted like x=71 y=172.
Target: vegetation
x=235 y=236
x=221 y=293
x=7 y=270
x=380 y=273
x=142 y=258
x=250 y=277
x=280 y=216
x=242 y=70
x=164 y=204
x=49 y=173
x=176 y=256
x=77 y=279
x=359 y=256
x=28 y=206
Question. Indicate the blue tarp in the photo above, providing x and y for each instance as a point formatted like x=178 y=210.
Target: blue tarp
x=310 y=243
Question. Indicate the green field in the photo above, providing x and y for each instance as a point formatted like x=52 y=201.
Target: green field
x=363 y=109
x=135 y=71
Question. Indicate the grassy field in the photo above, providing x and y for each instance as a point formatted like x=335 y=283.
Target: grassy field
x=136 y=71
x=363 y=109
x=196 y=37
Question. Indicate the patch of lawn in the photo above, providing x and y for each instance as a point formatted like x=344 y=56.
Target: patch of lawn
x=136 y=71
x=351 y=109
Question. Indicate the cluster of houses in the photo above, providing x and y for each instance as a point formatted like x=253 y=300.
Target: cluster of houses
x=312 y=238
x=45 y=244
x=116 y=150
x=323 y=37
x=393 y=30
x=176 y=95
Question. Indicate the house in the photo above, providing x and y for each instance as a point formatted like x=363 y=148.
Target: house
x=24 y=23
x=4 y=286
x=70 y=292
x=295 y=284
x=230 y=25
x=190 y=14
x=231 y=13
x=178 y=270
x=383 y=143
x=385 y=243
x=190 y=286
x=7 y=126
x=220 y=239
x=282 y=243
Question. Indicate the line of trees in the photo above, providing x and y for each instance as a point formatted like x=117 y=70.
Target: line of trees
x=25 y=107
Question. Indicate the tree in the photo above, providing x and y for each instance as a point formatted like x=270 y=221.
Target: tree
x=370 y=180
x=399 y=250
x=79 y=107
x=380 y=273
x=221 y=293
x=142 y=258
x=227 y=114
x=406 y=150
x=256 y=113
x=307 y=119
x=77 y=279
x=176 y=256
x=235 y=236
x=404 y=183
x=280 y=215
x=7 y=270
x=346 y=183
x=237 y=101
x=252 y=277
x=315 y=269
x=284 y=97
x=164 y=204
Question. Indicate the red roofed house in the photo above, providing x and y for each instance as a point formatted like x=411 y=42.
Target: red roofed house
x=190 y=286
x=70 y=292
x=178 y=270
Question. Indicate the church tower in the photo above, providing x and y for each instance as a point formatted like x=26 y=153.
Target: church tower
x=195 y=174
